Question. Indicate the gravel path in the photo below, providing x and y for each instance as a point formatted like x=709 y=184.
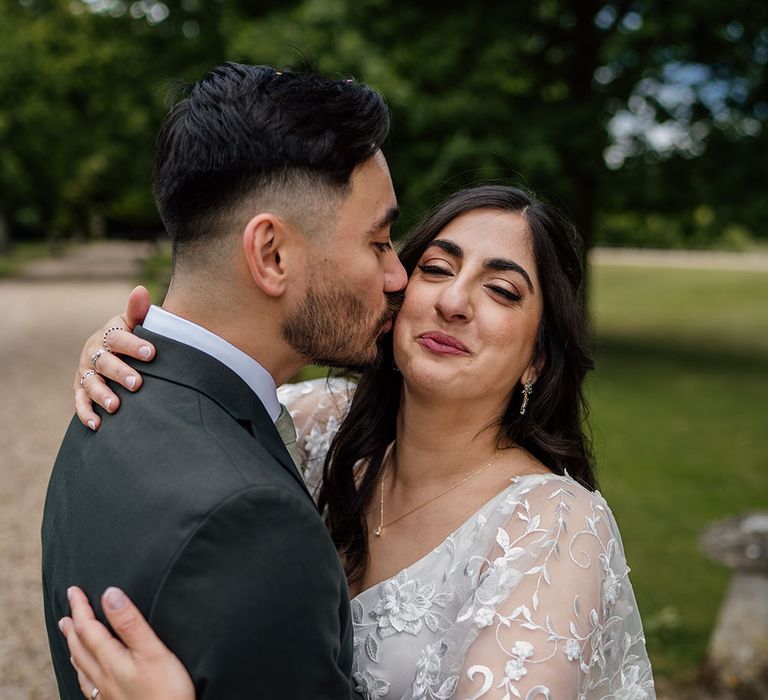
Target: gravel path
x=46 y=318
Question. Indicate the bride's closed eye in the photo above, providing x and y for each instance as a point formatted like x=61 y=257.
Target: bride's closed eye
x=505 y=292
x=432 y=269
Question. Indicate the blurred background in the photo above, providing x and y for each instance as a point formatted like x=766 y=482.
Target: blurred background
x=644 y=120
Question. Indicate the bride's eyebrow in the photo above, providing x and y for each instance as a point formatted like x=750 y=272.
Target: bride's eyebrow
x=448 y=246
x=501 y=264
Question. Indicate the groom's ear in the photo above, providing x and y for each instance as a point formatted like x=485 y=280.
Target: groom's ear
x=266 y=240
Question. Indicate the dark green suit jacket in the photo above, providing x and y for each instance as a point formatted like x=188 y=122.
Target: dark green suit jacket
x=188 y=500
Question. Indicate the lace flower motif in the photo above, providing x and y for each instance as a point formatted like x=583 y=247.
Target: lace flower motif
x=484 y=617
x=611 y=587
x=425 y=684
x=318 y=441
x=572 y=649
x=632 y=688
x=370 y=687
x=515 y=668
x=402 y=606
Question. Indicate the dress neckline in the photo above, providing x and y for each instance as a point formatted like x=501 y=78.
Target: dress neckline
x=515 y=480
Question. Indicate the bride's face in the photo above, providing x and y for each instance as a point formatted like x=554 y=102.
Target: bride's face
x=467 y=328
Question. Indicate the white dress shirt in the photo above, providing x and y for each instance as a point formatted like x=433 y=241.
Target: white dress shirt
x=251 y=372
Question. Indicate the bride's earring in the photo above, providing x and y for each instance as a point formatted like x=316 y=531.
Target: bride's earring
x=527 y=391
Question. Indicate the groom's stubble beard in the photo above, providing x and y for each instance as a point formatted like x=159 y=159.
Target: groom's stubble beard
x=333 y=328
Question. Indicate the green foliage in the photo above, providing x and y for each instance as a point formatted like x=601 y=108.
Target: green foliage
x=654 y=230
x=83 y=95
x=519 y=91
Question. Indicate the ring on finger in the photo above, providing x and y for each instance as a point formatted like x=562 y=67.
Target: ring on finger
x=94 y=693
x=95 y=357
x=105 y=338
x=85 y=376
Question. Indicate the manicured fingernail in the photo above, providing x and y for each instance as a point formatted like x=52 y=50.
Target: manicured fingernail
x=69 y=593
x=115 y=598
x=130 y=381
x=108 y=403
x=61 y=624
x=145 y=351
x=92 y=424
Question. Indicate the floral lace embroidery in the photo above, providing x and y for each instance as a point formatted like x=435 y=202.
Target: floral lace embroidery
x=405 y=607
x=528 y=599
x=427 y=683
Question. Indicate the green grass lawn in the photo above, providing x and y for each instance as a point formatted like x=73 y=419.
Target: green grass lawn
x=680 y=421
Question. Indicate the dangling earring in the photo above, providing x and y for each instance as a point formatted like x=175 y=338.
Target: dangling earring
x=395 y=368
x=527 y=391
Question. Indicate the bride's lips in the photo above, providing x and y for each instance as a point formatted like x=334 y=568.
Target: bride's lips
x=442 y=344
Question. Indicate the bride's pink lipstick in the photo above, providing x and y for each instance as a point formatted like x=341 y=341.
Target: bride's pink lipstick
x=442 y=344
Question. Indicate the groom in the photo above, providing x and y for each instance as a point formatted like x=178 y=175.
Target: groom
x=278 y=201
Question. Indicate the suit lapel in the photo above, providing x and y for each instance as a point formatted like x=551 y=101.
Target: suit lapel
x=181 y=364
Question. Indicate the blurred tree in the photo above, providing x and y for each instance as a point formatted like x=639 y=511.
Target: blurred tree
x=82 y=95
x=541 y=91
x=619 y=110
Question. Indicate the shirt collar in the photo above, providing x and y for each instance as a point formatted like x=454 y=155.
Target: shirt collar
x=249 y=370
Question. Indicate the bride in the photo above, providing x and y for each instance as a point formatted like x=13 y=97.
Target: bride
x=456 y=481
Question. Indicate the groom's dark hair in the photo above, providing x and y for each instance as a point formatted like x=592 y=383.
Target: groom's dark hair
x=257 y=136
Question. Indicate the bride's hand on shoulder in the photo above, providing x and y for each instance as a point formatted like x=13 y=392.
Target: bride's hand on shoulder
x=97 y=361
x=140 y=667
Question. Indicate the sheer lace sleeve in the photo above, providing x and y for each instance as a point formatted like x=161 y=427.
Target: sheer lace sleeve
x=317 y=407
x=554 y=615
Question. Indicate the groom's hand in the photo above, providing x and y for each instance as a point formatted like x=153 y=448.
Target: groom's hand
x=140 y=667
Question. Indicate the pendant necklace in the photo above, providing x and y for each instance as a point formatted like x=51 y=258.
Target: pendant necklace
x=380 y=528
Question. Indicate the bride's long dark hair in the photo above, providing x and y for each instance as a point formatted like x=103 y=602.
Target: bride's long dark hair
x=552 y=429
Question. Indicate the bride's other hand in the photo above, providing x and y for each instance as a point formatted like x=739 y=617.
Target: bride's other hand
x=140 y=667
x=96 y=363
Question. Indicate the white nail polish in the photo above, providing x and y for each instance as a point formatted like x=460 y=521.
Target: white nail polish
x=92 y=424
x=108 y=403
x=130 y=381
x=145 y=351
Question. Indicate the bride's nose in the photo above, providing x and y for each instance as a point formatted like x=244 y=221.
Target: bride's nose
x=454 y=302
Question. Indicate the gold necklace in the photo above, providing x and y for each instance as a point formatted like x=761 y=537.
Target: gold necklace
x=380 y=529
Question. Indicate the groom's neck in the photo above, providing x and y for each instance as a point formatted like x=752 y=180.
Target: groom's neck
x=240 y=317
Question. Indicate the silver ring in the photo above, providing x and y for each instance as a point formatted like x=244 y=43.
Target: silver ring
x=94 y=693
x=85 y=376
x=95 y=357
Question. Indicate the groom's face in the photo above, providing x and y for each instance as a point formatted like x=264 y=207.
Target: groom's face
x=353 y=277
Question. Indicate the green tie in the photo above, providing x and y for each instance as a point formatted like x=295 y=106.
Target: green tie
x=287 y=430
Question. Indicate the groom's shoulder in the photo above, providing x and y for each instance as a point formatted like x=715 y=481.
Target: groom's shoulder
x=167 y=428
x=166 y=408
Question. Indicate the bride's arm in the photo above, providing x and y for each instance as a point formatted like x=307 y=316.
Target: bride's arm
x=137 y=666
x=96 y=362
x=557 y=617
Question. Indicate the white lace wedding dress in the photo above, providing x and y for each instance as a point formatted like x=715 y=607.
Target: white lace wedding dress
x=529 y=598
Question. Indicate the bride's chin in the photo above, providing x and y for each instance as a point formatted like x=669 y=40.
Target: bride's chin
x=434 y=381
